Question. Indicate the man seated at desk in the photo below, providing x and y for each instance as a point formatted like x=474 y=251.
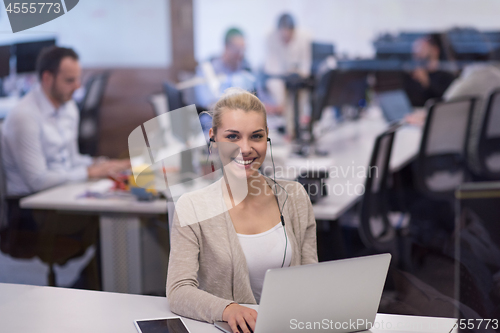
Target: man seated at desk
x=39 y=139
x=288 y=51
x=232 y=64
x=427 y=80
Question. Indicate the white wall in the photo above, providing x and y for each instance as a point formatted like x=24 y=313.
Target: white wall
x=108 y=33
x=351 y=24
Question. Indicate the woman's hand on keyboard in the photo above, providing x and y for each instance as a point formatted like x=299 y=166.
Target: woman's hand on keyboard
x=238 y=315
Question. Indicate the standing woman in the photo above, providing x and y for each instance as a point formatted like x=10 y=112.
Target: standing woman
x=219 y=263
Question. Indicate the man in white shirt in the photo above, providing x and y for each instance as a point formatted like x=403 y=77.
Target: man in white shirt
x=39 y=137
x=288 y=51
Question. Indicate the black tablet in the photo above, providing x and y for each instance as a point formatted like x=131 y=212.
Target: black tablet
x=161 y=325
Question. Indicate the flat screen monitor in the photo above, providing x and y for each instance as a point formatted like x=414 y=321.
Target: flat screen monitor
x=4 y=60
x=27 y=53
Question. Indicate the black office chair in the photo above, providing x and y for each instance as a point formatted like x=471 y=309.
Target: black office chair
x=374 y=212
x=88 y=135
x=441 y=163
x=3 y=190
x=489 y=140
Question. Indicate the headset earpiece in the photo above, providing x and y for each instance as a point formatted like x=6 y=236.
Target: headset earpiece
x=269 y=139
x=212 y=140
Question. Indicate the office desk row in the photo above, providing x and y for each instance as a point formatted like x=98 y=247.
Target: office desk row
x=56 y=310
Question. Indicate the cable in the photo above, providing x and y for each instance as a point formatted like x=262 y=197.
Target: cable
x=276 y=196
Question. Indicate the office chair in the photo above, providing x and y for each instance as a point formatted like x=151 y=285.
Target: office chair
x=3 y=189
x=174 y=97
x=441 y=163
x=489 y=139
x=441 y=166
x=379 y=230
x=88 y=135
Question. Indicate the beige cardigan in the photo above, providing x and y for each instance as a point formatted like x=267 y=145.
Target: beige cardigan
x=207 y=268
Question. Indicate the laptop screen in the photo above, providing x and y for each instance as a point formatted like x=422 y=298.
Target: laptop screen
x=395 y=105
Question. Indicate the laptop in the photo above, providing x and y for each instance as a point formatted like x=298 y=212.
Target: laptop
x=334 y=296
x=395 y=105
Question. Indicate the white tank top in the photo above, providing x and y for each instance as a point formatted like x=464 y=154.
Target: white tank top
x=264 y=251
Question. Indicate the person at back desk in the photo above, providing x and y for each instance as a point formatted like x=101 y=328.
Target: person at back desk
x=288 y=51
x=231 y=63
x=427 y=81
x=39 y=137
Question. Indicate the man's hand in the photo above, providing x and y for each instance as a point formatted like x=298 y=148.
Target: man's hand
x=237 y=315
x=105 y=168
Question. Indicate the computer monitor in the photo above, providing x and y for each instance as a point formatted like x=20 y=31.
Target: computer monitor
x=27 y=53
x=4 y=60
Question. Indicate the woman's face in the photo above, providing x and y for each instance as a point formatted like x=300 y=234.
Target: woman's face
x=247 y=133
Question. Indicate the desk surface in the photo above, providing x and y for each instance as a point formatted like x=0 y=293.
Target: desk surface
x=68 y=197
x=55 y=310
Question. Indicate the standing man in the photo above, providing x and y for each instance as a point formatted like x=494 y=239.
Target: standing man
x=39 y=139
x=288 y=51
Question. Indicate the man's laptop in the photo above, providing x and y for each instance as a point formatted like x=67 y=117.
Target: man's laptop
x=334 y=296
x=395 y=105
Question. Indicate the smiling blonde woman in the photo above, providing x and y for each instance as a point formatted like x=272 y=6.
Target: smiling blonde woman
x=219 y=263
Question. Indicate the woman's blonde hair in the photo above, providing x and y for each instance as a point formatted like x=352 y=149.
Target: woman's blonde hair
x=233 y=99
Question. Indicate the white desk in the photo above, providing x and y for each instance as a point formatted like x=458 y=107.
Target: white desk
x=121 y=262
x=57 y=310
x=350 y=146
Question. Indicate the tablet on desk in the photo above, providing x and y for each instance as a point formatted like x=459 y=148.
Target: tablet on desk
x=161 y=325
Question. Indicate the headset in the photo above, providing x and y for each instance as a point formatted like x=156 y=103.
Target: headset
x=275 y=194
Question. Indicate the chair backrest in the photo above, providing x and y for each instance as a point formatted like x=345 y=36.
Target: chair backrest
x=375 y=230
x=174 y=97
x=94 y=92
x=88 y=132
x=320 y=51
x=489 y=138
x=441 y=164
x=3 y=188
